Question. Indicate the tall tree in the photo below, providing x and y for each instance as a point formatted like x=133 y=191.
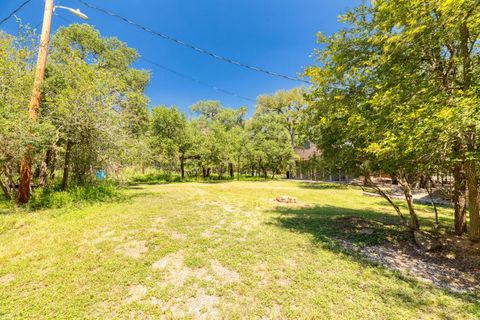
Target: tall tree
x=288 y=105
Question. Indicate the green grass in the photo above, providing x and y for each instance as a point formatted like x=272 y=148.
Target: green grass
x=218 y=250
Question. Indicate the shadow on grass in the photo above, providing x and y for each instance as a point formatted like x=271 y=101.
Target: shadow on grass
x=328 y=224
x=333 y=227
x=322 y=185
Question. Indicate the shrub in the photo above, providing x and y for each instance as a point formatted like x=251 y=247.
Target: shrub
x=53 y=197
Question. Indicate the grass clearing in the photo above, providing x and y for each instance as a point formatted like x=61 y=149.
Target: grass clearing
x=211 y=250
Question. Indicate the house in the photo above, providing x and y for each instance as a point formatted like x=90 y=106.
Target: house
x=307 y=162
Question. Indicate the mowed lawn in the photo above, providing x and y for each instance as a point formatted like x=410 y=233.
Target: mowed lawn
x=208 y=251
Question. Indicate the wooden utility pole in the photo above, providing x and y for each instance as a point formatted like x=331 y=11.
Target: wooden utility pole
x=34 y=109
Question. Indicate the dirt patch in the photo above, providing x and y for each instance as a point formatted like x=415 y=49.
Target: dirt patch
x=136 y=293
x=275 y=312
x=210 y=232
x=6 y=279
x=224 y=274
x=286 y=199
x=201 y=306
x=176 y=272
x=358 y=223
x=159 y=221
x=178 y=236
x=229 y=208
x=133 y=249
x=438 y=268
x=172 y=260
x=289 y=202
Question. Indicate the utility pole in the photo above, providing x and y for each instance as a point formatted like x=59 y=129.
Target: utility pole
x=34 y=109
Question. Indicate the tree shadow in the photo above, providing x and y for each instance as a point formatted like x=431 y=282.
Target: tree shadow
x=323 y=185
x=344 y=230
x=330 y=223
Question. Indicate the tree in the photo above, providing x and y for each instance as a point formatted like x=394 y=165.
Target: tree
x=172 y=134
x=272 y=149
x=391 y=87
x=94 y=98
x=288 y=105
x=219 y=126
x=17 y=131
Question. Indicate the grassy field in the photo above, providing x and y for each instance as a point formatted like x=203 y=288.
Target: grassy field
x=209 y=250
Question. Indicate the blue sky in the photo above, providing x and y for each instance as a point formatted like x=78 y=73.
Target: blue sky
x=277 y=35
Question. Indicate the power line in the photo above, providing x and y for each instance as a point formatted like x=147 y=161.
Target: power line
x=15 y=11
x=190 y=46
x=184 y=76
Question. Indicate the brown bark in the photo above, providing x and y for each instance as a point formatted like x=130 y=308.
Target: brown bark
x=472 y=187
x=231 y=170
x=46 y=163
x=459 y=195
x=471 y=163
x=182 y=166
x=371 y=184
x=5 y=187
x=407 y=190
x=23 y=195
x=428 y=187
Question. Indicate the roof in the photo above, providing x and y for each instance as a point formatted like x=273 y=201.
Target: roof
x=306 y=154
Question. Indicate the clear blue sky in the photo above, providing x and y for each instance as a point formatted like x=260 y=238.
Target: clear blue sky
x=278 y=35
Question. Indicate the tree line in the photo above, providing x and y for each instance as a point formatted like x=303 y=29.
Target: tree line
x=94 y=115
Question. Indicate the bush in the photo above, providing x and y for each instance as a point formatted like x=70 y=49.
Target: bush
x=53 y=197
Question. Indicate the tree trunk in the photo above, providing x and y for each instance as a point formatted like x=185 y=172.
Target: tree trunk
x=414 y=224
x=290 y=165
x=459 y=198
x=428 y=187
x=46 y=163
x=182 y=167
x=471 y=163
x=5 y=189
x=231 y=170
x=66 y=165
x=371 y=184
x=472 y=186
x=23 y=195
x=238 y=169
x=52 y=165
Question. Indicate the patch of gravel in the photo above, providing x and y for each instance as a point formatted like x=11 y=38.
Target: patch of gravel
x=431 y=267
x=133 y=249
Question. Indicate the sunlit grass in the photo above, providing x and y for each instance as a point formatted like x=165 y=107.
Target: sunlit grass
x=222 y=250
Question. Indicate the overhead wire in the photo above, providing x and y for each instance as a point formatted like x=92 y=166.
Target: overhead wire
x=203 y=83
x=191 y=46
x=14 y=11
x=184 y=76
